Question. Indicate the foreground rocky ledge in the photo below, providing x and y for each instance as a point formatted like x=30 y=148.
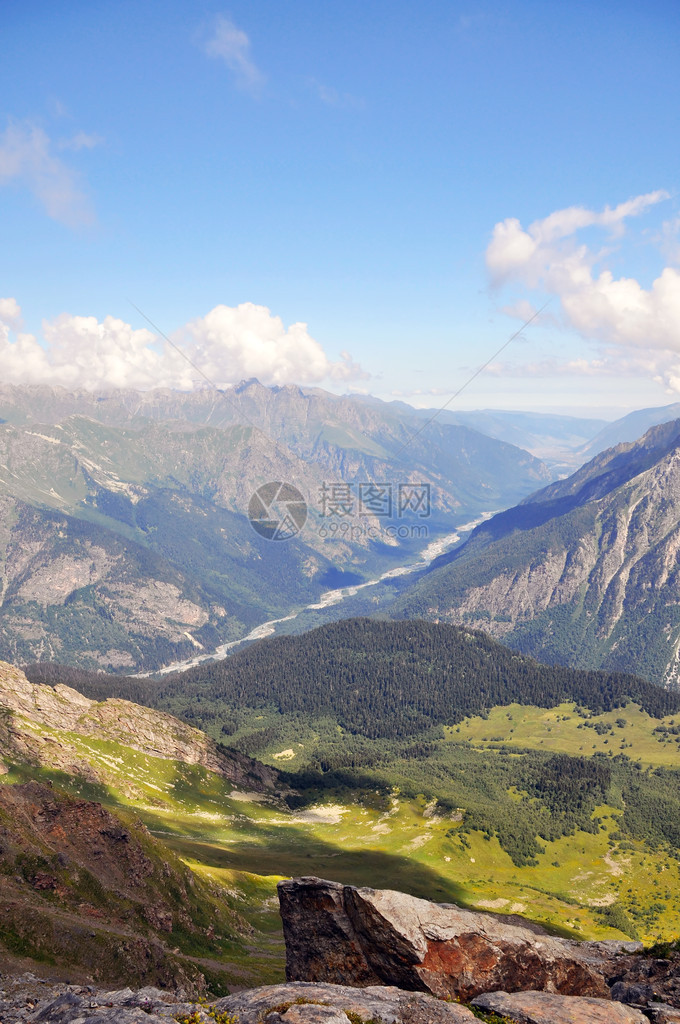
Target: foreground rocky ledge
x=29 y=1001
x=368 y=956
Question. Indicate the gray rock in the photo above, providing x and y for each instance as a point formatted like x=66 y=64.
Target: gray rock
x=119 y=997
x=61 y=1009
x=386 y=1003
x=551 y=1008
x=615 y=947
x=121 y=1015
x=661 y=1014
x=644 y=979
x=309 y=1015
x=632 y=992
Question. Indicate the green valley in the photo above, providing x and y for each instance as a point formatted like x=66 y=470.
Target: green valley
x=125 y=542
x=490 y=780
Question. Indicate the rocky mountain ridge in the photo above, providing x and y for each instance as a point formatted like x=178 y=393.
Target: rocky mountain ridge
x=585 y=572
x=37 y=722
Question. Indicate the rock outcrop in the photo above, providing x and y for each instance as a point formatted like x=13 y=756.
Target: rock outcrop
x=27 y=1000
x=312 y=1003
x=645 y=979
x=341 y=934
x=548 y=1008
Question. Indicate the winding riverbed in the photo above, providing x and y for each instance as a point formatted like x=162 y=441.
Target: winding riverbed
x=331 y=597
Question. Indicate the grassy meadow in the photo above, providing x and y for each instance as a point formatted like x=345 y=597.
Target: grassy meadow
x=587 y=884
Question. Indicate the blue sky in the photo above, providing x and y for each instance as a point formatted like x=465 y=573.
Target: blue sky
x=370 y=170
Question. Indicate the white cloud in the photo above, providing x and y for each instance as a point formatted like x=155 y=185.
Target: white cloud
x=536 y=254
x=661 y=367
x=232 y=45
x=84 y=352
x=579 y=367
x=227 y=345
x=231 y=343
x=521 y=310
x=26 y=158
x=81 y=140
x=618 y=312
x=10 y=312
x=22 y=359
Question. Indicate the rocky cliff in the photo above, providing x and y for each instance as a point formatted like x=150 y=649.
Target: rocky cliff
x=365 y=937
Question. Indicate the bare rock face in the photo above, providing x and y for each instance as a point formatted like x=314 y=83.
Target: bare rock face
x=341 y=934
x=307 y=1003
x=661 y=1014
x=644 y=980
x=548 y=1008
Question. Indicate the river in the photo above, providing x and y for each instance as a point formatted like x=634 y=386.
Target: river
x=331 y=597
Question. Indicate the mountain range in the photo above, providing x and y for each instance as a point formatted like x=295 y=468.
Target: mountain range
x=629 y=428
x=125 y=541
x=584 y=572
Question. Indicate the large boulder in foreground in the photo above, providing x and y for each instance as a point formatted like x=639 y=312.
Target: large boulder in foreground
x=348 y=936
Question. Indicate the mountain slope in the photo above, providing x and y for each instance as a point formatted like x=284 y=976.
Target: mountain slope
x=125 y=541
x=89 y=891
x=338 y=434
x=584 y=572
x=558 y=440
x=54 y=727
x=629 y=427
x=83 y=883
x=432 y=756
x=179 y=575
x=375 y=679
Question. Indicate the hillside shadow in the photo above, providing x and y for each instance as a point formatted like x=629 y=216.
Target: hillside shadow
x=293 y=853
x=283 y=850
